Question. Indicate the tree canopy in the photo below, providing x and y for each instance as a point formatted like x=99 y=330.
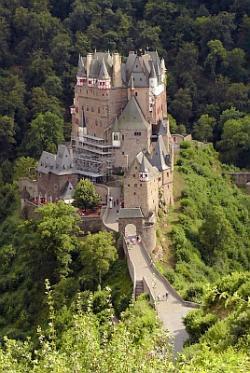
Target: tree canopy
x=85 y=195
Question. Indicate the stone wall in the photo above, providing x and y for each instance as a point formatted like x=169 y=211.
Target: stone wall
x=52 y=185
x=149 y=237
x=92 y=224
x=241 y=178
x=103 y=191
x=130 y=146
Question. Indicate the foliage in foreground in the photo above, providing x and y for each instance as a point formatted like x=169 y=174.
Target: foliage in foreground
x=92 y=342
x=221 y=328
x=47 y=247
x=136 y=343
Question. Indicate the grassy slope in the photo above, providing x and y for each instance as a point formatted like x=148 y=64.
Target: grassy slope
x=199 y=187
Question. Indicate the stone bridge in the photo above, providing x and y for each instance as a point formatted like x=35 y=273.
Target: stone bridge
x=145 y=277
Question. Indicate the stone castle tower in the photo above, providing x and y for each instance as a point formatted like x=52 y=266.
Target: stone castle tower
x=119 y=109
x=119 y=125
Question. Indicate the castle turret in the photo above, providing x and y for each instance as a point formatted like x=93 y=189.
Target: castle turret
x=144 y=172
x=117 y=74
x=88 y=62
x=152 y=77
x=163 y=71
x=104 y=79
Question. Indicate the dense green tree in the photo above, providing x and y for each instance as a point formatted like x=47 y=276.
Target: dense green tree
x=7 y=136
x=56 y=234
x=235 y=142
x=41 y=102
x=25 y=167
x=203 y=129
x=8 y=200
x=45 y=133
x=181 y=106
x=97 y=253
x=85 y=195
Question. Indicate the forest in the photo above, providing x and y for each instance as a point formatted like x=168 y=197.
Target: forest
x=48 y=325
x=205 y=45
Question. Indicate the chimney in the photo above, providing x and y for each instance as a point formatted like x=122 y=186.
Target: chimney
x=88 y=63
x=117 y=73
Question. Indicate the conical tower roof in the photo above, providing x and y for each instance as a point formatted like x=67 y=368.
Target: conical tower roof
x=163 y=67
x=143 y=166
x=103 y=73
x=159 y=155
x=152 y=72
x=81 y=69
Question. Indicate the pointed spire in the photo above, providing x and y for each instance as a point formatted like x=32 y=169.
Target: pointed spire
x=103 y=73
x=158 y=70
x=163 y=67
x=131 y=82
x=159 y=155
x=152 y=72
x=81 y=69
x=143 y=167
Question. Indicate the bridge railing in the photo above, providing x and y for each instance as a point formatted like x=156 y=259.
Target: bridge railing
x=166 y=282
x=131 y=267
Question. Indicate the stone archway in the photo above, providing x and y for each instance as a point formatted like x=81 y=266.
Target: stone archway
x=130 y=216
x=130 y=230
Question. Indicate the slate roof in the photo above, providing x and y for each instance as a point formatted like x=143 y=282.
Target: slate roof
x=103 y=73
x=141 y=65
x=159 y=155
x=131 y=118
x=68 y=190
x=146 y=165
x=126 y=213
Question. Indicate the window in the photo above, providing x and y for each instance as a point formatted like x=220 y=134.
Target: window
x=122 y=137
x=136 y=93
x=128 y=185
x=87 y=108
x=133 y=175
x=134 y=193
x=137 y=133
x=116 y=137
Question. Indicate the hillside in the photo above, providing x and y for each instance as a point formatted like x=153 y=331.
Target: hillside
x=209 y=226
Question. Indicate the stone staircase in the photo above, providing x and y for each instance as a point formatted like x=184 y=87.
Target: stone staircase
x=139 y=288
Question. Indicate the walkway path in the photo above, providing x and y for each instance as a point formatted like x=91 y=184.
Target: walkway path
x=171 y=310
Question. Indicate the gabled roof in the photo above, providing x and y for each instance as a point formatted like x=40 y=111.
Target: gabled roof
x=67 y=192
x=64 y=160
x=159 y=155
x=46 y=162
x=145 y=164
x=125 y=213
x=131 y=118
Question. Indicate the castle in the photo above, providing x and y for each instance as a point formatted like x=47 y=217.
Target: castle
x=119 y=127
